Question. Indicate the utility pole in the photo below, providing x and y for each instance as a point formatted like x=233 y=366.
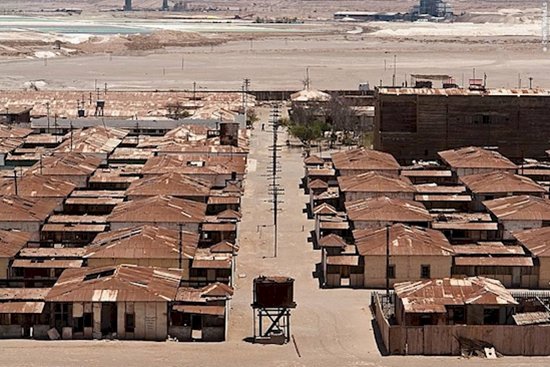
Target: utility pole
x=48 y=115
x=388 y=260
x=274 y=188
x=246 y=86
x=545 y=26
x=71 y=126
x=394 y=70
x=15 y=182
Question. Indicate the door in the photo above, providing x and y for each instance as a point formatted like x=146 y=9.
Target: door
x=516 y=277
x=108 y=318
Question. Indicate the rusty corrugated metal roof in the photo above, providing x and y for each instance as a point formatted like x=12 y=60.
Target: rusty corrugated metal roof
x=122 y=283
x=332 y=240
x=364 y=159
x=67 y=164
x=158 y=209
x=501 y=182
x=404 y=241
x=171 y=183
x=141 y=242
x=97 y=139
x=520 y=208
x=476 y=157
x=433 y=295
x=536 y=240
x=46 y=264
x=35 y=185
x=11 y=242
x=23 y=294
x=387 y=209
x=493 y=261
x=375 y=182
x=21 y=307
x=18 y=209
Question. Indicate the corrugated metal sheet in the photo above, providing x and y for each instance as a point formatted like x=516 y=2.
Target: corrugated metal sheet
x=431 y=295
x=22 y=307
x=476 y=157
x=501 y=182
x=123 y=283
x=200 y=309
x=46 y=264
x=493 y=261
x=536 y=240
x=520 y=208
x=374 y=182
x=364 y=159
x=532 y=318
x=404 y=241
x=343 y=260
x=387 y=209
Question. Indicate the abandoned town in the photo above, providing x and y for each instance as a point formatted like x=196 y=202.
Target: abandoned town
x=274 y=183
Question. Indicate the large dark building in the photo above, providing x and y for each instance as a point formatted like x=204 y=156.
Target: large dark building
x=434 y=8
x=416 y=123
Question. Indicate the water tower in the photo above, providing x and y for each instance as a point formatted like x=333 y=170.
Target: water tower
x=273 y=299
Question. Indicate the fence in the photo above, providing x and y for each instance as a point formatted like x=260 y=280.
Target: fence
x=531 y=340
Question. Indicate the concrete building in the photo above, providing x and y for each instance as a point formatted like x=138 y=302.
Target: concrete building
x=469 y=301
x=497 y=184
x=537 y=242
x=72 y=167
x=11 y=242
x=128 y=301
x=373 y=184
x=475 y=160
x=416 y=123
x=144 y=246
x=172 y=184
x=415 y=254
x=25 y=214
x=516 y=213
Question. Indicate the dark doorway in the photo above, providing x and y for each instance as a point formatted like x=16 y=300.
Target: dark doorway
x=196 y=322
x=108 y=318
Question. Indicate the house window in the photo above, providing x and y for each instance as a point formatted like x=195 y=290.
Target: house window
x=491 y=316
x=391 y=272
x=87 y=319
x=459 y=315
x=130 y=322
x=78 y=324
x=425 y=272
x=98 y=275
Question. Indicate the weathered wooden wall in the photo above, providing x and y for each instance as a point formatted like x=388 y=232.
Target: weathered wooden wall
x=443 y=340
x=418 y=126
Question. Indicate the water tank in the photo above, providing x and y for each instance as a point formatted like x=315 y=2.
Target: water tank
x=273 y=292
x=229 y=133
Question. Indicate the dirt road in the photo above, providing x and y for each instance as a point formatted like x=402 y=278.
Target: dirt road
x=334 y=62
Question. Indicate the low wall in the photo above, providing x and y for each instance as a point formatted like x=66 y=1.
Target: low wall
x=513 y=340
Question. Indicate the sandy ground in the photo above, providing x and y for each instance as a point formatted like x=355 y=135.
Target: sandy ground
x=334 y=61
x=331 y=327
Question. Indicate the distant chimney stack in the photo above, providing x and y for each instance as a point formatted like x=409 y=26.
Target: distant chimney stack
x=229 y=133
